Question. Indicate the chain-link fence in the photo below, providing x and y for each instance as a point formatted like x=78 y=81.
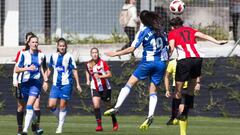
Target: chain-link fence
x=98 y=19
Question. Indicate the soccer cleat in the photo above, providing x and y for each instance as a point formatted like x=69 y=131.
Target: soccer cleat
x=115 y=127
x=99 y=128
x=19 y=134
x=24 y=133
x=111 y=112
x=39 y=131
x=175 y=122
x=59 y=130
x=146 y=123
x=170 y=122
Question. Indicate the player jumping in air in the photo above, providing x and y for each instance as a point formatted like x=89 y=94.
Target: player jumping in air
x=189 y=60
x=153 y=63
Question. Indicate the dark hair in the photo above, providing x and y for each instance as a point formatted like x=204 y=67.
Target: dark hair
x=127 y=1
x=27 y=47
x=27 y=40
x=152 y=20
x=28 y=34
x=176 y=22
x=61 y=40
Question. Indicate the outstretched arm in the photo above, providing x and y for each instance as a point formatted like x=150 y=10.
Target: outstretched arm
x=122 y=52
x=209 y=38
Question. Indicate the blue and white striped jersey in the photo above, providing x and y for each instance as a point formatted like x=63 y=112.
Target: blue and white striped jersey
x=154 y=46
x=27 y=59
x=62 y=66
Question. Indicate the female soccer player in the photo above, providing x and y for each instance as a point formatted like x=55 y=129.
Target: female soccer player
x=20 y=102
x=63 y=65
x=31 y=64
x=152 y=65
x=99 y=71
x=189 y=60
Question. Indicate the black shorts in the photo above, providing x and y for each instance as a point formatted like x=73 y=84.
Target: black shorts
x=189 y=68
x=104 y=95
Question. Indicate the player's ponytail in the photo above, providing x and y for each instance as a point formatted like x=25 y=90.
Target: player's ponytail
x=152 y=20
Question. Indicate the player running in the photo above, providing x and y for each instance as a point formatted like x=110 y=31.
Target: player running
x=99 y=72
x=189 y=60
x=153 y=63
x=30 y=64
x=21 y=104
x=63 y=65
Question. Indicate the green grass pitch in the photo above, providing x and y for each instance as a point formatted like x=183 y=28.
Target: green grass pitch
x=128 y=125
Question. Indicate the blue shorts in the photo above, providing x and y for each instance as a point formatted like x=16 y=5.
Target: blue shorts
x=153 y=69
x=61 y=92
x=31 y=88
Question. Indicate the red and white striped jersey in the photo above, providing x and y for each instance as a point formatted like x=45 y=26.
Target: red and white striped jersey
x=185 y=42
x=100 y=68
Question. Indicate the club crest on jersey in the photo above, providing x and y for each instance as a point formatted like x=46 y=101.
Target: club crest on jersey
x=99 y=68
x=60 y=69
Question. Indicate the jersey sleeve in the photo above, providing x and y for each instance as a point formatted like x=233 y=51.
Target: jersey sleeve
x=72 y=63
x=17 y=56
x=139 y=38
x=20 y=62
x=170 y=35
x=105 y=66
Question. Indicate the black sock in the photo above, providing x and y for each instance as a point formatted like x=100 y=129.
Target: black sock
x=175 y=107
x=98 y=116
x=114 y=119
x=20 y=120
x=38 y=115
x=185 y=111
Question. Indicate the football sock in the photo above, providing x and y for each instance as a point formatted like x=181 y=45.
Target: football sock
x=183 y=126
x=28 y=117
x=37 y=115
x=62 y=116
x=175 y=105
x=97 y=112
x=20 y=120
x=123 y=94
x=152 y=104
x=114 y=119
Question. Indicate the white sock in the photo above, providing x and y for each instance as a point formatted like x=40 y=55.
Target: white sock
x=28 y=118
x=152 y=104
x=122 y=96
x=55 y=112
x=62 y=116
